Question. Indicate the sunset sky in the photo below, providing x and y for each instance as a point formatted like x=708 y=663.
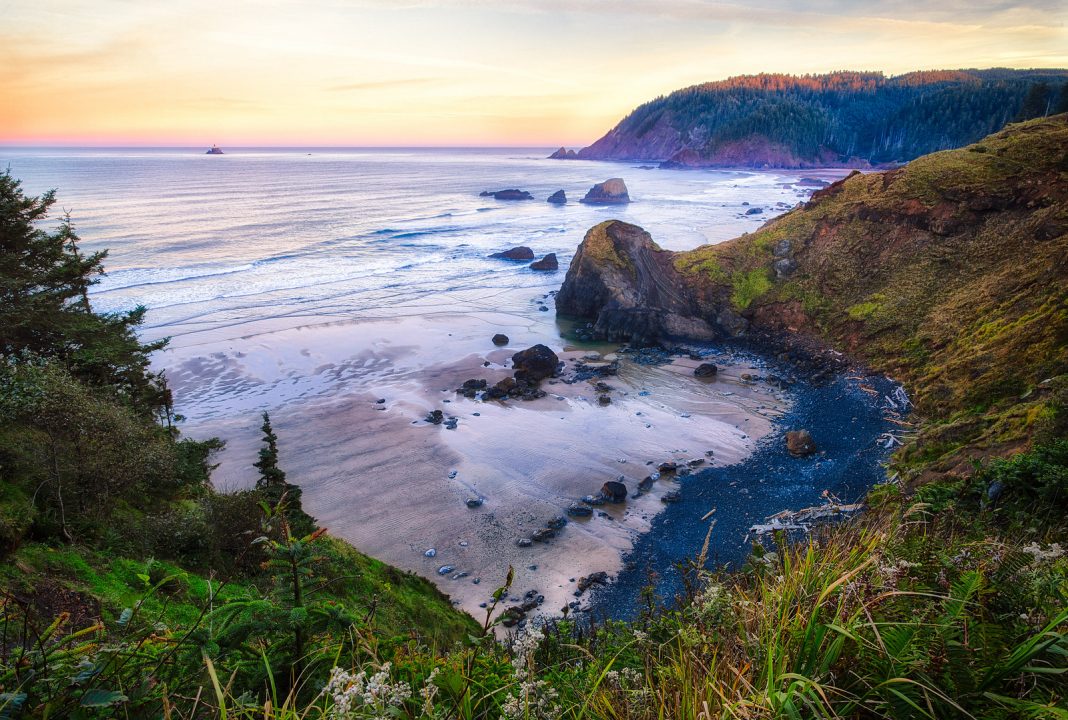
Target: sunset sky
x=449 y=72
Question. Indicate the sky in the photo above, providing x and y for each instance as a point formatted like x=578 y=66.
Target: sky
x=450 y=72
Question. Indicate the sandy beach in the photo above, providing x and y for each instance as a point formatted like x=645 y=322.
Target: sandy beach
x=396 y=486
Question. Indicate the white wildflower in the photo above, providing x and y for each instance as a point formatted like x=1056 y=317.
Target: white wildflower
x=352 y=693
x=1036 y=551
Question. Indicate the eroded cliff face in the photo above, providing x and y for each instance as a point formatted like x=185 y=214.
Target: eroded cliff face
x=950 y=274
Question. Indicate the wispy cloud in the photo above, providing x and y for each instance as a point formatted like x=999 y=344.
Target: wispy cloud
x=383 y=84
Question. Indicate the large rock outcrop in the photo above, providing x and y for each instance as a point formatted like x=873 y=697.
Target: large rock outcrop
x=623 y=279
x=612 y=191
x=950 y=273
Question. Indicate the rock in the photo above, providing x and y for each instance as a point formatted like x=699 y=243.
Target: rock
x=603 y=400
x=754 y=211
x=547 y=263
x=473 y=385
x=563 y=154
x=543 y=535
x=783 y=267
x=534 y=364
x=646 y=483
x=597 y=578
x=430 y=553
x=614 y=491
x=557 y=198
x=475 y=503
x=812 y=182
x=520 y=252
x=524 y=542
x=800 y=443
x=595 y=500
x=695 y=462
x=673 y=496
x=705 y=370
x=611 y=192
x=557 y=523
x=666 y=467
x=445 y=569
x=451 y=423
x=435 y=417
x=510 y=194
x=576 y=510
x=500 y=339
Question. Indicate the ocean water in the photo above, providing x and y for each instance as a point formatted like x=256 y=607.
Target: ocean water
x=219 y=241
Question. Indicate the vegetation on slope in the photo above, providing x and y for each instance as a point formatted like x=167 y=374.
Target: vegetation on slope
x=851 y=118
x=949 y=274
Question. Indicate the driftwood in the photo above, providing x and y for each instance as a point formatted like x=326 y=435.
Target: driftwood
x=799 y=519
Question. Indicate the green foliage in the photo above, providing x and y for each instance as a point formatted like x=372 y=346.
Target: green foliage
x=748 y=286
x=844 y=115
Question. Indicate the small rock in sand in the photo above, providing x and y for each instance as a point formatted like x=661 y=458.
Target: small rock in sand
x=500 y=339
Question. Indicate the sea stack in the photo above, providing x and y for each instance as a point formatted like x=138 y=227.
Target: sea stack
x=563 y=154
x=611 y=192
x=557 y=198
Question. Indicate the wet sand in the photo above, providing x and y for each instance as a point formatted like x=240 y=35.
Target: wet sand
x=395 y=486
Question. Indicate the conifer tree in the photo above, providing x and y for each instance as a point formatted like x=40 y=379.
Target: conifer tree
x=1037 y=102
x=273 y=486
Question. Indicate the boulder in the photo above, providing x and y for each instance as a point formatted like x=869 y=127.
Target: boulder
x=474 y=503
x=510 y=194
x=435 y=417
x=668 y=467
x=614 y=491
x=500 y=339
x=534 y=364
x=557 y=198
x=563 y=154
x=521 y=252
x=548 y=262
x=799 y=443
x=557 y=522
x=754 y=211
x=543 y=535
x=597 y=578
x=672 y=496
x=577 y=510
x=611 y=192
x=705 y=370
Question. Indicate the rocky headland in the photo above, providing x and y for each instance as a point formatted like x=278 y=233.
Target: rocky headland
x=949 y=274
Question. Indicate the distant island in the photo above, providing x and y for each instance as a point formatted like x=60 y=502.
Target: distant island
x=841 y=119
x=215 y=150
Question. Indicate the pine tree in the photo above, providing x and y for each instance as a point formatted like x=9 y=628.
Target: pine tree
x=273 y=486
x=1062 y=101
x=1037 y=102
x=45 y=311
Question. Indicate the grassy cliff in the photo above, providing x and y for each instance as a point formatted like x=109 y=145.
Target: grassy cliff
x=950 y=274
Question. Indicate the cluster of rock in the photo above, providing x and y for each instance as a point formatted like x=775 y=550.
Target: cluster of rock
x=564 y=154
x=523 y=253
x=529 y=367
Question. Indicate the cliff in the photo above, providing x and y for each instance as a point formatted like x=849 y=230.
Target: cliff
x=949 y=274
x=846 y=119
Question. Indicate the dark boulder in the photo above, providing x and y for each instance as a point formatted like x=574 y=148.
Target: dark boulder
x=548 y=262
x=543 y=535
x=500 y=339
x=597 y=578
x=557 y=198
x=474 y=503
x=576 y=510
x=667 y=467
x=534 y=364
x=521 y=252
x=614 y=491
x=557 y=523
x=435 y=417
x=510 y=194
x=705 y=370
x=799 y=443
x=611 y=192
x=672 y=496
x=754 y=211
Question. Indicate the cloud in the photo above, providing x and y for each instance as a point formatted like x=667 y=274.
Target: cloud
x=383 y=84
